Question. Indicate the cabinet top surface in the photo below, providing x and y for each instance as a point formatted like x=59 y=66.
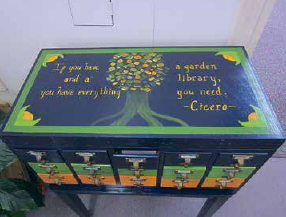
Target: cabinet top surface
x=151 y=92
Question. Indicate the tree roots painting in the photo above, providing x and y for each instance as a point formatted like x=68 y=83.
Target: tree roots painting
x=136 y=74
x=138 y=103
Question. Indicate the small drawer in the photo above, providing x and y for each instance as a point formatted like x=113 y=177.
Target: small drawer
x=173 y=172
x=98 y=169
x=142 y=178
x=50 y=168
x=135 y=181
x=222 y=183
x=241 y=159
x=143 y=161
x=58 y=179
x=181 y=177
x=187 y=159
x=230 y=172
x=87 y=157
x=128 y=172
x=44 y=156
x=190 y=183
x=102 y=180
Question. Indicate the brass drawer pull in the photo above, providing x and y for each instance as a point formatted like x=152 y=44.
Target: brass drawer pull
x=241 y=158
x=38 y=155
x=184 y=173
x=92 y=170
x=180 y=183
x=58 y=180
x=231 y=172
x=223 y=182
x=86 y=156
x=96 y=179
x=49 y=168
x=137 y=173
x=188 y=158
x=137 y=181
x=136 y=162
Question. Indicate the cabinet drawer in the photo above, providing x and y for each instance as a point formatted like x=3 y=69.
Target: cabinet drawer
x=104 y=180
x=44 y=156
x=187 y=158
x=144 y=161
x=88 y=156
x=230 y=172
x=97 y=174
x=173 y=172
x=50 y=168
x=241 y=159
x=100 y=169
x=222 y=183
x=58 y=179
x=135 y=181
x=181 y=177
x=128 y=172
x=145 y=178
x=190 y=183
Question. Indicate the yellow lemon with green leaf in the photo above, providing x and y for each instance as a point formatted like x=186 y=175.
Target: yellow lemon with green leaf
x=25 y=118
x=255 y=119
x=232 y=56
x=50 y=58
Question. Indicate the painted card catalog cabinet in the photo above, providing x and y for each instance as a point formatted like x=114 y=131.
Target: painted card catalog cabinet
x=189 y=121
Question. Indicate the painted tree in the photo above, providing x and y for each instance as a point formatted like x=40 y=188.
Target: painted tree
x=136 y=74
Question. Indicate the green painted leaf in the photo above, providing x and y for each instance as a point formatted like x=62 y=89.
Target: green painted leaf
x=111 y=69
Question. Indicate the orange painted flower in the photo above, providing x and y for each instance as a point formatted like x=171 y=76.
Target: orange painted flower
x=124 y=54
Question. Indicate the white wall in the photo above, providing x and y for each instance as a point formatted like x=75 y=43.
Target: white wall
x=27 y=26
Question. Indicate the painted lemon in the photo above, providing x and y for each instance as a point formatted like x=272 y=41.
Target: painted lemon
x=229 y=57
x=27 y=116
x=252 y=116
x=52 y=58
